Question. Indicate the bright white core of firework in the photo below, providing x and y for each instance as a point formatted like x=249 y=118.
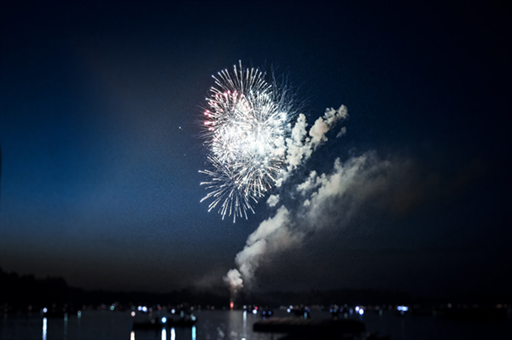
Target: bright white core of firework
x=245 y=124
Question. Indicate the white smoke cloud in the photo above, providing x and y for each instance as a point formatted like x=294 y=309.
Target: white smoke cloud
x=328 y=200
x=234 y=279
x=300 y=147
x=273 y=200
x=262 y=241
x=325 y=123
x=325 y=199
x=343 y=131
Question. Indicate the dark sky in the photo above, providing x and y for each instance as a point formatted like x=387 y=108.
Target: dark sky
x=100 y=132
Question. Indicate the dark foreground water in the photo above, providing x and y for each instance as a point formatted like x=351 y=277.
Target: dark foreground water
x=236 y=325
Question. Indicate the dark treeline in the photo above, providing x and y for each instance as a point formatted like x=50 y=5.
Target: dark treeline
x=354 y=297
x=17 y=292
x=27 y=290
x=327 y=297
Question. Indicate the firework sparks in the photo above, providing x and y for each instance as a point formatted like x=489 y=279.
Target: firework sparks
x=246 y=122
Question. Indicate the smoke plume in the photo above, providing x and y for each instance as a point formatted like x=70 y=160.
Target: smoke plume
x=274 y=234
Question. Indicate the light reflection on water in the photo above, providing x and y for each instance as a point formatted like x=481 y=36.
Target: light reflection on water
x=234 y=325
x=45 y=327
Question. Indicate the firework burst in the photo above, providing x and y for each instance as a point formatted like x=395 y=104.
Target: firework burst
x=246 y=121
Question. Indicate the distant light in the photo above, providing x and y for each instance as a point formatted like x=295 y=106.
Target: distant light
x=193 y=332
x=133 y=313
x=45 y=310
x=145 y=309
x=112 y=307
x=192 y=317
x=164 y=334
x=402 y=308
x=173 y=334
x=139 y=308
x=65 y=316
x=288 y=310
x=173 y=311
x=231 y=305
x=79 y=314
x=361 y=311
x=254 y=311
x=357 y=308
x=164 y=319
x=132 y=335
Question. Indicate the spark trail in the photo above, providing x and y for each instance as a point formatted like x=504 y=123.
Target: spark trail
x=246 y=122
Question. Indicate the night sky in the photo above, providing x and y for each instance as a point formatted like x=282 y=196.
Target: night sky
x=100 y=130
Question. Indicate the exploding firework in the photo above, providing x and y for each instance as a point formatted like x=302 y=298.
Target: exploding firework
x=246 y=121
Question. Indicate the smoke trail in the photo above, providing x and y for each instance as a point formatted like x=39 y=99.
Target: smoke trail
x=300 y=146
x=326 y=200
x=282 y=231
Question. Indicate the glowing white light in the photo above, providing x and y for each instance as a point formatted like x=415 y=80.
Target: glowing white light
x=45 y=310
x=402 y=308
x=164 y=319
x=139 y=308
x=133 y=313
x=357 y=308
x=173 y=311
x=173 y=334
x=245 y=128
x=254 y=311
x=193 y=332
x=193 y=317
x=44 y=328
x=361 y=311
x=132 y=335
x=145 y=309
x=164 y=334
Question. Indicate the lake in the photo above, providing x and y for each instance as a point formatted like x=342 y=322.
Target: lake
x=235 y=324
